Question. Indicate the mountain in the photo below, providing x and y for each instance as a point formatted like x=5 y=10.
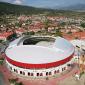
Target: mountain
x=7 y=8
x=77 y=7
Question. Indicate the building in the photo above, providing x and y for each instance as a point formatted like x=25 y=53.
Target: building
x=39 y=57
x=4 y=35
x=79 y=48
x=82 y=63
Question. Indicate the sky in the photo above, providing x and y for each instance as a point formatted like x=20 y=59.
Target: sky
x=46 y=3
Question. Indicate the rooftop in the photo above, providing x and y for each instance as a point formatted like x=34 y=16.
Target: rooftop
x=42 y=52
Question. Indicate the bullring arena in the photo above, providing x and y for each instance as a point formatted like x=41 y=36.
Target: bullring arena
x=39 y=57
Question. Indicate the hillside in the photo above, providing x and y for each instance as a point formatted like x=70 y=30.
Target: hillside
x=7 y=8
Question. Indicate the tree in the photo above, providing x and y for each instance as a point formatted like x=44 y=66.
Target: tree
x=20 y=83
x=1 y=61
x=1 y=41
x=12 y=37
x=13 y=81
x=58 y=33
x=82 y=25
x=69 y=32
x=46 y=25
x=76 y=38
x=29 y=21
x=30 y=33
x=62 y=24
x=18 y=24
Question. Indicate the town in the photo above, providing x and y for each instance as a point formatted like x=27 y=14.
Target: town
x=45 y=48
x=41 y=25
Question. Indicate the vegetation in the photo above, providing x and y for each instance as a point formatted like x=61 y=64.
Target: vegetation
x=29 y=33
x=81 y=74
x=46 y=23
x=15 y=82
x=76 y=38
x=20 y=83
x=1 y=41
x=83 y=25
x=69 y=32
x=11 y=9
x=1 y=61
x=12 y=37
x=58 y=33
x=7 y=8
x=62 y=24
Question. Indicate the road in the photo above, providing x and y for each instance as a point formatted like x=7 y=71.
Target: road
x=2 y=82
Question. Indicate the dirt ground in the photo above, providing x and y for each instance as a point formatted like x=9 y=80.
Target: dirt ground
x=73 y=81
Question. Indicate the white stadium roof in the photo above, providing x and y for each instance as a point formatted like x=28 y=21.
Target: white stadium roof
x=39 y=54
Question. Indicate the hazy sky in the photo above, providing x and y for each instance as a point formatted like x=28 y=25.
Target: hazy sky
x=46 y=3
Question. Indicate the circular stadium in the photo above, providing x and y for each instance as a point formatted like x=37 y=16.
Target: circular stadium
x=39 y=57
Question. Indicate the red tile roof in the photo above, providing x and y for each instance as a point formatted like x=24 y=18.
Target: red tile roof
x=80 y=35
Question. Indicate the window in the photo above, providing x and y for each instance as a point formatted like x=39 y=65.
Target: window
x=23 y=73
x=50 y=73
x=11 y=68
x=55 y=72
x=31 y=74
x=28 y=73
x=37 y=74
x=64 y=68
x=41 y=74
x=14 y=70
x=46 y=73
x=20 y=72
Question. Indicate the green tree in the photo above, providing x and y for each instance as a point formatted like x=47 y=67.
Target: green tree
x=18 y=24
x=62 y=24
x=46 y=24
x=13 y=81
x=1 y=61
x=20 y=83
x=28 y=21
x=58 y=33
x=1 y=41
x=12 y=37
x=69 y=32
x=82 y=25
x=29 y=33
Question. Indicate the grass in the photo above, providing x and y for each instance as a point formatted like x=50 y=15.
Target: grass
x=1 y=61
x=81 y=74
x=15 y=82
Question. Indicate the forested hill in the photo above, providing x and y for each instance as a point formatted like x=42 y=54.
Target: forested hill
x=7 y=8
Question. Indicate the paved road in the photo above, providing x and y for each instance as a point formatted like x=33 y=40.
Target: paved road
x=2 y=79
